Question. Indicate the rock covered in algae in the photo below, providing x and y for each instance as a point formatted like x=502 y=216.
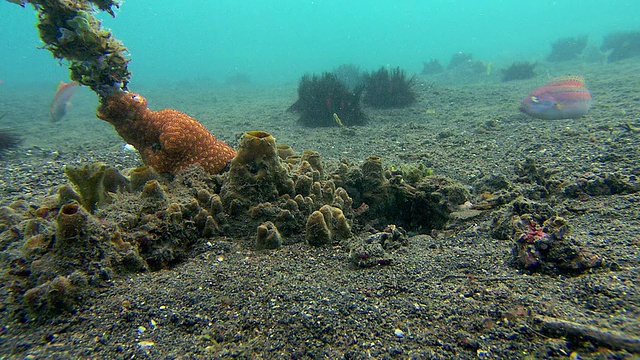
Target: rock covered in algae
x=504 y=227
x=547 y=248
x=95 y=182
x=376 y=249
x=271 y=183
x=327 y=225
x=268 y=236
x=603 y=184
x=59 y=255
x=59 y=252
x=8 y=218
x=257 y=174
x=57 y=296
x=139 y=176
x=269 y=198
x=422 y=206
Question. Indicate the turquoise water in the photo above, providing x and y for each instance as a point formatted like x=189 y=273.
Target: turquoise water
x=278 y=41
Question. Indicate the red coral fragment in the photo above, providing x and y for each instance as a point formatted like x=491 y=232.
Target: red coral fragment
x=534 y=233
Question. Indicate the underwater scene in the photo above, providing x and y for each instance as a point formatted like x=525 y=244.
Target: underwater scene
x=319 y=179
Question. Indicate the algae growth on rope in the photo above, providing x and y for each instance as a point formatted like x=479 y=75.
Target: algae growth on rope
x=70 y=31
x=168 y=140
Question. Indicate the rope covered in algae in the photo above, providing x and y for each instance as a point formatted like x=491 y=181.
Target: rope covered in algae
x=70 y=31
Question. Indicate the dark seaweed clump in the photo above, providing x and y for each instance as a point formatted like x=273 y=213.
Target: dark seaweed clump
x=459 y=59
x=463 y=63
x=388 y=89
x=622 y=45
x=320 y=97
x=432 y=67
x=8 y=140
x=350 y=75
x=568 y=48
x=519 y=71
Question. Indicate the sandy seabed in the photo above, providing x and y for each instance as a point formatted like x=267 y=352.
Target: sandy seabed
x=448 y=294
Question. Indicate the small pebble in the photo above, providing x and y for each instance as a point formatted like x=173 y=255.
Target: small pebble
x=574 y=356
x=482 y=353
x=399 y=333
x=128 y=147
x=145 y=344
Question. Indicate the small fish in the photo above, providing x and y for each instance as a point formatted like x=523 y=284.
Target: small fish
x=62 y=99
x=565 y=97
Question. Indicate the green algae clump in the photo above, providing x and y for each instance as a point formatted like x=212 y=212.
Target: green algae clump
x=70 y=31
x=412 y=173
x=94 y=182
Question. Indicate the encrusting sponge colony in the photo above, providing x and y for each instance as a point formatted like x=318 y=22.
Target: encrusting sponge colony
x=168 y=140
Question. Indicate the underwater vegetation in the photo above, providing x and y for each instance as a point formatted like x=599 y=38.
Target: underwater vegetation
x=94 y=183
x=622 y=45
x=9 y=139
x=569 y=48
x=521 y=70
x=419 y=202
x=411 y=173
x=461 y=62
x=459 y=59
x=388 y=89
x=431 y=67
x=70 y=31
x=168 y=140
x=326 y=101
x=350 y=75
x=593 y=54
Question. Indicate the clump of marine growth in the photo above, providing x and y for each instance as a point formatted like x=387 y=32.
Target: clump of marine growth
x=519 y=71
x=9 y=140
x=389 y=89
x=326 y=101
x=621 y=45
x=70 y=31
x=350 y=75
x=566 y=49
x=79 y=238
x=168 y=140
x=432 y=67
x=462 y=63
